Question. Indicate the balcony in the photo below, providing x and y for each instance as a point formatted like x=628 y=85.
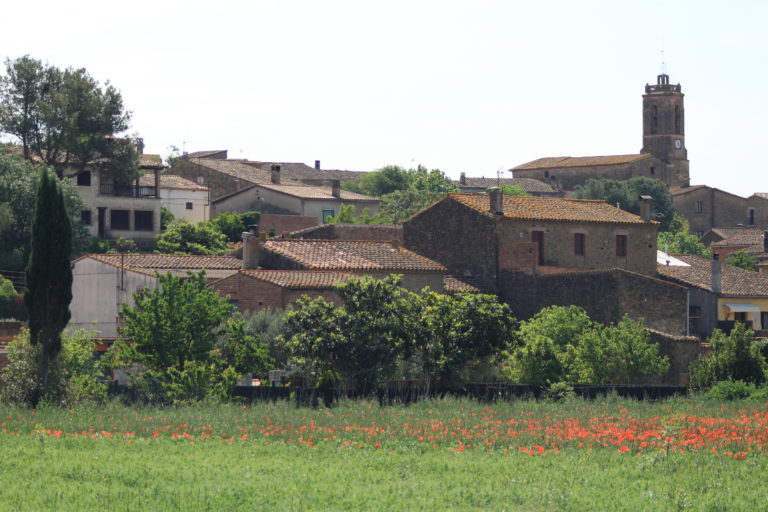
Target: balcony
x=117 y=189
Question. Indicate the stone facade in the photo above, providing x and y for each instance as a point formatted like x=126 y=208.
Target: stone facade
x=708 y=207
x=681 y=351
x=255 y=295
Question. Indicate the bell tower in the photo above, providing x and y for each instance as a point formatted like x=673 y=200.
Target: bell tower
x=664 y=130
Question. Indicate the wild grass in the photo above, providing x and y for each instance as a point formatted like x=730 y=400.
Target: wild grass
x=122 y=458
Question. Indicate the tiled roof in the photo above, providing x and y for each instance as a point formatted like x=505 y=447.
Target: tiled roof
x=300 y=171
x=739 y=237
x=464 y=284
x=310 y=192
x=300 y=279
x=579 y=161
x=678 y=191
x=351 y=255
x=205 y=154
x=526 y=184
x=735 y=281
x=170 y=181
x=761 y=195
x=550 y=208
x=175 y=263
x=151 y=162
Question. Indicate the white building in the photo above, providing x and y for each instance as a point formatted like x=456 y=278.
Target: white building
x=184 y=198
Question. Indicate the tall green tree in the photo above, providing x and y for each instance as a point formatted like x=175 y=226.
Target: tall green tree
x=49 y=275
x=743 y=260
x=66 y=118
x=626 y=193
x=682 y=242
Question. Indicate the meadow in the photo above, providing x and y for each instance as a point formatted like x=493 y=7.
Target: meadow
x=607 y=454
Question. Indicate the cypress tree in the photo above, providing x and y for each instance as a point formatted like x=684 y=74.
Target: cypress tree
x=48 y=276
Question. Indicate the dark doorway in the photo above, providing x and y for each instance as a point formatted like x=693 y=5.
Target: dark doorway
x=537 y=237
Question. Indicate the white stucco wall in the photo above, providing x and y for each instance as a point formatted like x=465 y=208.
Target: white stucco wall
x=98 y=291
x=176 y=201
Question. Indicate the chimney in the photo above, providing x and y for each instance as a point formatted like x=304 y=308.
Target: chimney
x=252 y=243
x=717 y=273
x=336 y=188
x=140 y=145
x=463 y=178
x=645 y=207
x=496 y=200
x=317 y=164
x=276 y=174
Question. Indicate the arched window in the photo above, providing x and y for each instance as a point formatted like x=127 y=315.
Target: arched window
x=677 y=119
x=654 y=119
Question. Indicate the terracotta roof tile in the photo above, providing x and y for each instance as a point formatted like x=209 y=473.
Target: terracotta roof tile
x=351 y=255
x=170 y=181
x=300 y=279
x=310 y=192
x=453 y=283
x=151 y=162
x=739 y=237
x=550 y=208
x=580 y=161
x=150 y=263
x=734 y=282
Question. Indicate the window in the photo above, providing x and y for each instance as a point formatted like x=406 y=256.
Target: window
x=694 y=319
x=328 y=213
x=85 y=217
x=189 y=206
x=764 y=319
x=120 y=219
x=537 y=237
x=578 y=244
x=699 y=207
x=654 y=119
x=699 y=234
x=677 y=119
x=84 y=179
x=621 y=246
x=653 y=171
x=751 y=217
x=143 y=220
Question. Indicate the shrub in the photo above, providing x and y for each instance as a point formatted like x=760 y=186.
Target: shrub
x=731 y=390
x=76 y=375
x=7 y=297
x=559 y=391
x=736 y=356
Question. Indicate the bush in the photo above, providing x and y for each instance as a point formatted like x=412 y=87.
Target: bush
x=736 y=356
x=76 y=375
x=731 y=390
x=559 y=391
x=7 y=298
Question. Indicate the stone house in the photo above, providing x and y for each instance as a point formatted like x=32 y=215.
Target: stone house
x=707 y=207
x=101 y=283
x=726 y=241
x=719 y=294
x=112 y=210
x=185 y=199
x=531 y=186
x=318 y=202
x=479 y=236
x=663 y=155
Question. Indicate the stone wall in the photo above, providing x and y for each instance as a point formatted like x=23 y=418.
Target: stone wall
x=283 y=224
x=681 y=351
x=220 y=184
x=460 y=238
x=605 y=295
x=707 y=207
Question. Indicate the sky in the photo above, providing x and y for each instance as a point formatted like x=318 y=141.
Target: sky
x=476 y=87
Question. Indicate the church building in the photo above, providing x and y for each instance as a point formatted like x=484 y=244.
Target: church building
x=663 y=155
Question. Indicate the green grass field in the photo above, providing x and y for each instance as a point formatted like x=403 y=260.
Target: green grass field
x=450 y=455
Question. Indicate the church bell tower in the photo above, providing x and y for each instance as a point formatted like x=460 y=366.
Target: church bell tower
x=664 y=130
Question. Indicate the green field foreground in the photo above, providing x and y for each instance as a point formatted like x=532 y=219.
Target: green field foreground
x=439 y=455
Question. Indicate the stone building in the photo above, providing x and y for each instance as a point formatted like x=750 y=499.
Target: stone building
x=479 y=235
x=708 y=207
x=469 y=185
x=663 y=155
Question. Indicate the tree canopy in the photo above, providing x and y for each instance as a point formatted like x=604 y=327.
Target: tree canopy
x=66 y=118
x=626 y=194
x=742 y=260
x=682 y=243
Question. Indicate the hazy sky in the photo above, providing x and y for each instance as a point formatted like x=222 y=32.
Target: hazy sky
x=477 y=86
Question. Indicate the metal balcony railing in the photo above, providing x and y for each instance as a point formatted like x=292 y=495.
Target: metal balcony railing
x=116 y=189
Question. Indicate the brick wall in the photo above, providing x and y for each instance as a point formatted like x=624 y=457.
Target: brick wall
x=255 y=294
x=285 y=223
x=606 y=296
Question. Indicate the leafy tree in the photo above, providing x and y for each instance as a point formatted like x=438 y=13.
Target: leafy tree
x=48 y=275
x=626 y=193
x=267 y=326
x=19 y=184
x=456 y=330
x=245 y=351
x=402 y=204
x=7 y=297
x=563 y=344
x=382 y=181
x=64 y=117
x=347 y=215
x=183 y=237
x=735 y=356
x=173 y=331
x=682 y=243
x=166 y=217
x=513 y=190
x=230 y=224
x=742 y=260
